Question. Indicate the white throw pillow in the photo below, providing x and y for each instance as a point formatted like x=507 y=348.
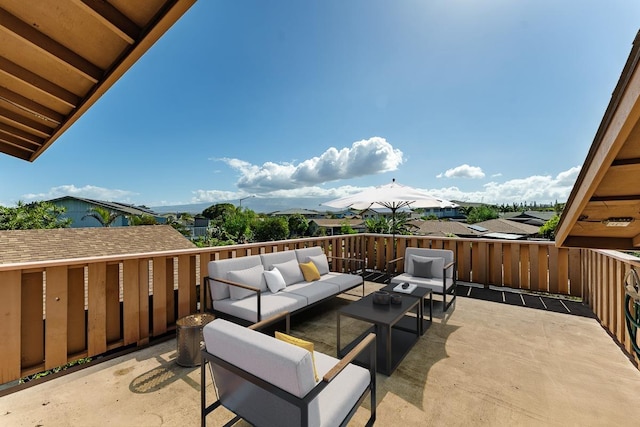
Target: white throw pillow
x=250 y=277
x=275 y=281
x=321 y=262
x=290 y=271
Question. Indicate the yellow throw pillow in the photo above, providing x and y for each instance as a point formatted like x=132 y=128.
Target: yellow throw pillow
x=307 y=345
x=309 y=271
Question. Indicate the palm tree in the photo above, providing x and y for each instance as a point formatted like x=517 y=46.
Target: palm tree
x=104 y=216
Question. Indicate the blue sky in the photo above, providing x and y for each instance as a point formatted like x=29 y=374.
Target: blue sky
x=493 y=101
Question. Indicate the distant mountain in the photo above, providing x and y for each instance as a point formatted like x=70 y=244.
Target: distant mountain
x=256 y=204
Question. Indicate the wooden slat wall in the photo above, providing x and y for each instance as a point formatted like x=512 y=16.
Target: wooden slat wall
x=10 y=333
x=604 y=289
x=113 y=322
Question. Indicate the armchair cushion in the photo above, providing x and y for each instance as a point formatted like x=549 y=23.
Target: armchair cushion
x=309 y=271
x=275 y=281
x=290 y=271
x=421 y=268
x=250 y=276
x=437 y=265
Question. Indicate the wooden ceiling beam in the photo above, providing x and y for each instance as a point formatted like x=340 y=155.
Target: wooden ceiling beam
x=623 y=198
x=17 y=142
x=15 y=151
x=56 y=51
x=20 y=134
x=636 y=241
x=34 y=126
x=112 y=18
x=32 y=107
x=38 y=83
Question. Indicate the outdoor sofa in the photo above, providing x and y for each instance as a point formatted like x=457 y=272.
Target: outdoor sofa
x=248 y=289
x=282 y=381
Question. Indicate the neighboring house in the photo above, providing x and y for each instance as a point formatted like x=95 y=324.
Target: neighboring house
x=309 y=214
x=443 y=213
x=77 y=208
x=65 y=243
x=537 y=218
x=506 y=227
x=333 y=227
x=443 y=228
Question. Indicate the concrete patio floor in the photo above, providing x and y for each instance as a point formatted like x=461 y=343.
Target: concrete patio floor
x=483 y=363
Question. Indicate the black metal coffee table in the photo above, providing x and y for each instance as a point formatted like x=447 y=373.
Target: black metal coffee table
x=420 y=293
x=396 y=332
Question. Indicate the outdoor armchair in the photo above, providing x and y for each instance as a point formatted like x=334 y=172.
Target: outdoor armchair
x=429 y=268
x=268 y=382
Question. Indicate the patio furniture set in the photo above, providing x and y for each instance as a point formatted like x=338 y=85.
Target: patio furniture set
x=282 y=380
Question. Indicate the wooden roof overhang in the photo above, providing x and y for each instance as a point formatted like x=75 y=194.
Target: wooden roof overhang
x=58 y=57
x=603 y=210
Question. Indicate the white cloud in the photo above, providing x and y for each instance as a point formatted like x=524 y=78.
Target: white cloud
x=538 y=188
x=88 y=191
x=496 y=175
x=463 y=171
x=366 y=157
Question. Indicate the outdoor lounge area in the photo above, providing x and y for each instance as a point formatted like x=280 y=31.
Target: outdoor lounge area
x=481 y=363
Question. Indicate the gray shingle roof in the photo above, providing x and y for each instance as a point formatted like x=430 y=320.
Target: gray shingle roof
x=65 y=243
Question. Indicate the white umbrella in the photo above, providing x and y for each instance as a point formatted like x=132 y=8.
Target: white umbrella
x=392 y=196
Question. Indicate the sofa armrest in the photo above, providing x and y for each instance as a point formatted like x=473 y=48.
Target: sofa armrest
x=258 y=292
x=368 y=341
x=259 y=326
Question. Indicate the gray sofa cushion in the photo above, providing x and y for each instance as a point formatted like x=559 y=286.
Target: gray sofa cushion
x=270 y=305
x=290 y=271
x=313 y=291
x=249 y=276
x=268 y=260
x=219 y=269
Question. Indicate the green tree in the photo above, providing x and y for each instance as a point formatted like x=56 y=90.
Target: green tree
x=36 y=215
x=238 y=225
x=345 y=228
x=144 y=219
x=219 y=213
x=270 y=229
x=104 y=216
x=548 y=230
x=379 y=225
x=298 y=225
x=481 y=213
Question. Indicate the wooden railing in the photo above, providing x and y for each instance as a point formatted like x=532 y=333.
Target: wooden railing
x=58 y=311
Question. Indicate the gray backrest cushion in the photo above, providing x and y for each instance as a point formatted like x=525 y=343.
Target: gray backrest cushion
x=277 y=258
x=220 y=268
x=248 y=276
x=446 y=254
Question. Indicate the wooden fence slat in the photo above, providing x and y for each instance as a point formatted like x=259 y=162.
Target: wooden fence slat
x=159 y=299
x=562 y=277
x=130 y=301
x=534 y=267
x=10 y=332
x=170 y=303
x=56 y=317
x=97 y=300
x=143 y=301
x=525 y=267
x=552 y=278
x=497 y=263
x=516 y=274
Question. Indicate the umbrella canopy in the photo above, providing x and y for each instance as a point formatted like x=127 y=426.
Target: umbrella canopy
x=391 y=196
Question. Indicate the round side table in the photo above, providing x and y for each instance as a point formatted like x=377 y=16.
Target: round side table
x=189 y=337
